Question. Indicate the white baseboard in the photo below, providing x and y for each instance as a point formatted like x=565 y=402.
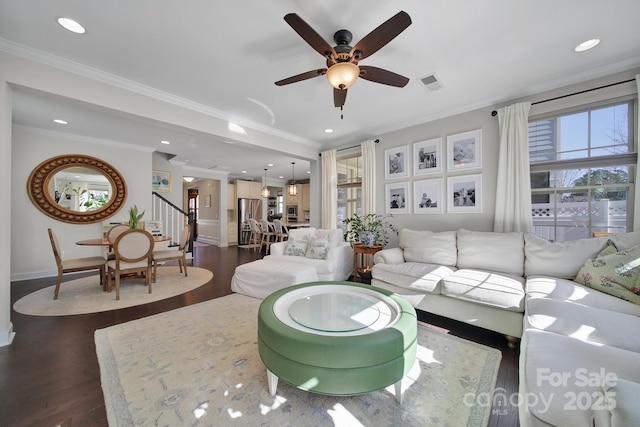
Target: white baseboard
x=6 y=337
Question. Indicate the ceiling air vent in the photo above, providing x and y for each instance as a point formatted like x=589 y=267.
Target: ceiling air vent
x=431 y=82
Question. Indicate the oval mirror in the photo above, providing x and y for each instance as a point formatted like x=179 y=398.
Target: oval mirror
x=77 y=189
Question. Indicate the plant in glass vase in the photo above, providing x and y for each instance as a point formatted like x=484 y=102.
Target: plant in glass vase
x=369 y=230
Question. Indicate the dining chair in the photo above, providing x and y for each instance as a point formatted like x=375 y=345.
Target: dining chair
x=134 y=255
x=74 y=265
x=112 y=234
x=172 y=254
x=268 y=234
x=256 y=234
x=282 y=233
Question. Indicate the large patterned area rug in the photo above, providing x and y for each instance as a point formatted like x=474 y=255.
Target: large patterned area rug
x=85 y=295
x=199 y=365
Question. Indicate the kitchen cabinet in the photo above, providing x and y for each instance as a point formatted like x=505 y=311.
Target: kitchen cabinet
x=231 y=197
x=248 y=190
x=306 y=195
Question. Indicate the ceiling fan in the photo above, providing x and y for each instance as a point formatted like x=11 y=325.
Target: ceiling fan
x=342 y=60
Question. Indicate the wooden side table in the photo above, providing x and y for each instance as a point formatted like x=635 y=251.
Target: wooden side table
x=359 y=264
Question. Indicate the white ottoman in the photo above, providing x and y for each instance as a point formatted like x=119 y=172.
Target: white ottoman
x=261 y=278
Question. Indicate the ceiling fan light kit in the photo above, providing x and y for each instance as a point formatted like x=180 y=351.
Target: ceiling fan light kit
x=342 y=60
x=343 y=74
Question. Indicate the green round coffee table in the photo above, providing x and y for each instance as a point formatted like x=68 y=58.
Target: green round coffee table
x=337 y=338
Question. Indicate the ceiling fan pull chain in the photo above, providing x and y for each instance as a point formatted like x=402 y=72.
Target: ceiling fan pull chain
x=341 y=115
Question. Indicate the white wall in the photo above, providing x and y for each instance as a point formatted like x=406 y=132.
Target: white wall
x=31 y=254
x=479 y=119
x=482 y=119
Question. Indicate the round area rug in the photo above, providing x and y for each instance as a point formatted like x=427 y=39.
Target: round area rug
x=85 y=295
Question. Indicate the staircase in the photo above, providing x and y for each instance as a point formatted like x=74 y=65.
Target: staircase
x=173 y=219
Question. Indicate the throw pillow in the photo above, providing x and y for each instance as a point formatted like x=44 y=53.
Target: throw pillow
x=318 y=248
x=297 y=246
x=616 y=273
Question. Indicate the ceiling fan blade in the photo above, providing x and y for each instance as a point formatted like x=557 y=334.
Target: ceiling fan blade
x=382 y=35
x=310 y=35
x=339 y=97
x=302 y=76
x=379 y=75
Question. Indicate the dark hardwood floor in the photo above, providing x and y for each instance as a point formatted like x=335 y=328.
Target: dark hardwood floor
x=49 y=375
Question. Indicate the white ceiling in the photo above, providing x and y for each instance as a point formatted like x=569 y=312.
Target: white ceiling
x=226 y=56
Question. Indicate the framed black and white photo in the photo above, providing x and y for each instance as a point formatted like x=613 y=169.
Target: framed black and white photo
x=464 y=150
x=427 y=156
x=396 y=162
x=464 y=194
x=397 y=198
x=427 y=196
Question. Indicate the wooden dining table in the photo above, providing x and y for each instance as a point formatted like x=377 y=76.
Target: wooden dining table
x=105 y=242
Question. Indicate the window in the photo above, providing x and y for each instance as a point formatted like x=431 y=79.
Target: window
x=581 y=164
x=349 y=187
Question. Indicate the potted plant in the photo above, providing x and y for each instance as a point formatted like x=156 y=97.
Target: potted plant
x=369 y=230
x=134 y=217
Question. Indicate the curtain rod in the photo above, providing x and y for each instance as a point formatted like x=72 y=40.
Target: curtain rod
x=494 y=112
x=353 y=146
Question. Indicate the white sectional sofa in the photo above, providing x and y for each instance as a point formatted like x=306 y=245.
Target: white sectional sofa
x=580 y=348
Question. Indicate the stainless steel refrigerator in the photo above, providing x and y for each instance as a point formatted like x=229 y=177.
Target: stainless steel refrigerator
x=247 y=208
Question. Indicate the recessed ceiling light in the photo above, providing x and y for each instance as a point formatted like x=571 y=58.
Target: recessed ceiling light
x=586 y=45
x=328 y=130
x=270 y=165
x=308 y=171
x=244 y=171
x=71 y=25
x=60 y=121
x=165 y=142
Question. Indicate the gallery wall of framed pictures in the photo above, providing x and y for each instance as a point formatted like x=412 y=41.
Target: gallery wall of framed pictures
x=458 y=187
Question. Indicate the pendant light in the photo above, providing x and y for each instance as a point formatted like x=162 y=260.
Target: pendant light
x=265 y=189
x=293 y=190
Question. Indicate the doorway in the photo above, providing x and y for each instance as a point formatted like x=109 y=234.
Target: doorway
x=192 y=203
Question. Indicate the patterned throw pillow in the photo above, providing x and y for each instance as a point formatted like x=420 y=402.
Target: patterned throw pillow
x=297 y=246
x=318 y=248
x=614 y=273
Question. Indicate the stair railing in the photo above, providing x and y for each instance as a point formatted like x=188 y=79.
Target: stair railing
x=172 y=217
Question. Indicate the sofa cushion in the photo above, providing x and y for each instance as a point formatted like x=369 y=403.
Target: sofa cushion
x=625 y=241
x=318 y=248
x=494 y=289
x=557 y=369
x=578 y=321
x=560 y=259
x=486 y=250
x=568 y=290
x=620 y=405
x=412 y=275
x=615 y=273
x=335 y=236
x=297 y=246
x=296 y=233
x=428 y=247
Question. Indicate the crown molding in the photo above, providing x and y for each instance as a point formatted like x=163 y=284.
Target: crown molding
x=82 y=138
x=44 y=58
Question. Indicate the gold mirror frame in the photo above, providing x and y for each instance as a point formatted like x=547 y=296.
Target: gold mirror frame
x=38 y=184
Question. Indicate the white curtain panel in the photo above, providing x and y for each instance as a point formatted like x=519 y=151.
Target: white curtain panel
x=513 y=190
x=329 y=190
x=636 y=211
x=368 y=177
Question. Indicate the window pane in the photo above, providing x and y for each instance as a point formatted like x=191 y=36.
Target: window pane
x=574 y=132
x=572 y=203
x=610 y=128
